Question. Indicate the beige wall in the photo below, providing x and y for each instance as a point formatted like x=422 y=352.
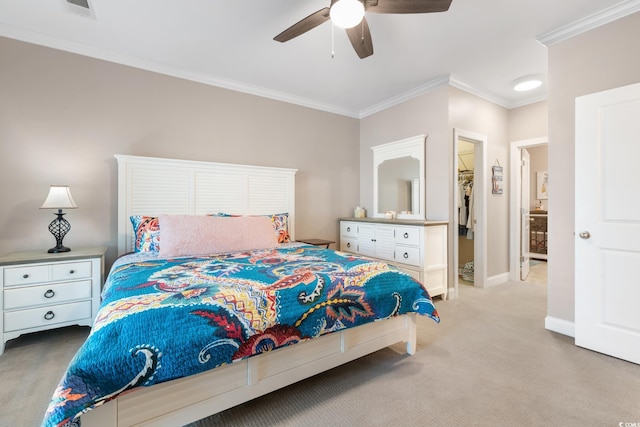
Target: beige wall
x=603 y=58
x=64 y=116
x=529 y=121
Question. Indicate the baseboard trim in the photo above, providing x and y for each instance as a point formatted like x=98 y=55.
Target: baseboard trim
x=497 y=280
x=560 y=326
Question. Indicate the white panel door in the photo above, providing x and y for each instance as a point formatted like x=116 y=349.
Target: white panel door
x=525 y=204
x=607 y=220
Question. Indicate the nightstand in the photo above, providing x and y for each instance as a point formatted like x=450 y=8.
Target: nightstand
x=317 y=242
x=40 y=291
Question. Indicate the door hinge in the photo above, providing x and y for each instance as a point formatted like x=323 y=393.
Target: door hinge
x=521 y=260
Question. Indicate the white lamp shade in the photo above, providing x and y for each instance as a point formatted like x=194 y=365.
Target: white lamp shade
x=347 y=13
x=59 y=198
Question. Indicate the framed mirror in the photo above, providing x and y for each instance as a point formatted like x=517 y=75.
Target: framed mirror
x=399 y=178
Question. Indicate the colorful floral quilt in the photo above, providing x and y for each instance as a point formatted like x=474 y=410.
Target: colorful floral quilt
x=162 y=319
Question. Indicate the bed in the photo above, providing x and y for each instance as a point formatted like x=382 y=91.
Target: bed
x=182 y=334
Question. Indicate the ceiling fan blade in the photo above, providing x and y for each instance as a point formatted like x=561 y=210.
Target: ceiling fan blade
x=407 y=6
x=360 y=38
x=301 y=27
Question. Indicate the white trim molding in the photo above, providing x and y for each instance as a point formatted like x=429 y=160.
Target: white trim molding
x=560 y=326
x=405 y=96
x=590 y=22
x=498 y=279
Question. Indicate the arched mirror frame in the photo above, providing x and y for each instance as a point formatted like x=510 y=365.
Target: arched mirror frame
x=410 y=147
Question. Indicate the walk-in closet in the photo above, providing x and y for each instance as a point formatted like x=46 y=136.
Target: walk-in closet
x=466 y=219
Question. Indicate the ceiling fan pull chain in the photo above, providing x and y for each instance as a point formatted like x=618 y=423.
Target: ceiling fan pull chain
x=333 y=53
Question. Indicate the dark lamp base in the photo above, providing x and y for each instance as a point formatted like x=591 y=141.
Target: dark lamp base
x=59 y=228
x=58 y=249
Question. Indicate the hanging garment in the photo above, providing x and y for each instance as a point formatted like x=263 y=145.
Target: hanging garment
x=471 y=217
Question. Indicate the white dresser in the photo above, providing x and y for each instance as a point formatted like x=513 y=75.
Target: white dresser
x=40 y=291
x=417 y=247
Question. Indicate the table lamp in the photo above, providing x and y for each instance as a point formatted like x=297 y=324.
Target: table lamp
x=59 y=198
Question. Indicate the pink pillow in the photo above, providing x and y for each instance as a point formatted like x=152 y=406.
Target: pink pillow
x=186 y=235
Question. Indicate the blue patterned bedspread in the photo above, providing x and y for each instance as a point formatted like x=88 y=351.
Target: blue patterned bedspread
x=162 y=319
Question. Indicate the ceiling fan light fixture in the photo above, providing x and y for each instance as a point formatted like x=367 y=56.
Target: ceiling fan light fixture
x=526 y=83
x=347 y=13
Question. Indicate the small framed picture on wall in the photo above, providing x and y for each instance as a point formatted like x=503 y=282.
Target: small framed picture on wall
x=542 y=185
x=497 y=185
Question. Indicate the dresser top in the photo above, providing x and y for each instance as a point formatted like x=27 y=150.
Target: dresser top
x=421 y=222
x=44 y=256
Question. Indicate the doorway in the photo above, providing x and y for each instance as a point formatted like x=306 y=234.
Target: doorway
x=466 y=217
x=528 y=218
x=469 y=153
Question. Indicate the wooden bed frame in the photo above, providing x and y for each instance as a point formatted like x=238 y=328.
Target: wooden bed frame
x=151 y=186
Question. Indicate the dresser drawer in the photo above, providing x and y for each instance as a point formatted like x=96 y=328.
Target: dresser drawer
x=71 y=270
x=30 y=296
x=25 y=274
x=408 y=236
x=407 y=255
x=49 y=315
x=348 y=229
x=349 y=244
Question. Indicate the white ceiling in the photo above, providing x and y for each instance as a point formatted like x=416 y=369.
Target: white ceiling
x=478 y=45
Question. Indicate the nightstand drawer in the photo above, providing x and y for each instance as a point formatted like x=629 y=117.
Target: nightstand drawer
x=71 y=270
x=407 y=255
x=23 y=319
x=57 y=293
x=25 y=274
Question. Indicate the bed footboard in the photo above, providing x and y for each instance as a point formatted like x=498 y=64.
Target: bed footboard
x=189 y=399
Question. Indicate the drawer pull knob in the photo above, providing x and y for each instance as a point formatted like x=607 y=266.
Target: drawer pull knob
x=72 y=271
x=49 y=294
x=49 y=315
x=406 y=255
x=25 y=276
x=348 y=228
x=406 y=235
x=348 y=245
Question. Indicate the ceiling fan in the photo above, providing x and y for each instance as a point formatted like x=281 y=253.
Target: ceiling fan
x=349 y=14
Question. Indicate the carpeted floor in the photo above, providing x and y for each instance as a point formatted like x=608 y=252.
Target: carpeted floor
x=490 y=362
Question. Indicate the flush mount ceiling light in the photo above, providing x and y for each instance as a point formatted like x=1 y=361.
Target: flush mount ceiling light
x=347 y=13
x=526 y=83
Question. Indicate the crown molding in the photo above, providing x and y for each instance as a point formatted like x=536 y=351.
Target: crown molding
x=486 y=95
x=590 y=22
x=493 y=98
x=101 y=54
x=405 y=96
x=450 y=81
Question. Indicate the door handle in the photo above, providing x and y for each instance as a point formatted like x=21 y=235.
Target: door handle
x=584 y=235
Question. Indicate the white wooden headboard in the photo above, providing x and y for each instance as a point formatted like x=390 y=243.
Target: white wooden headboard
x=152 y=186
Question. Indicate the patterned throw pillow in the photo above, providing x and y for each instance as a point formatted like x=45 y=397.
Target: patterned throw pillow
x=147 y=233
x=280 y=224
